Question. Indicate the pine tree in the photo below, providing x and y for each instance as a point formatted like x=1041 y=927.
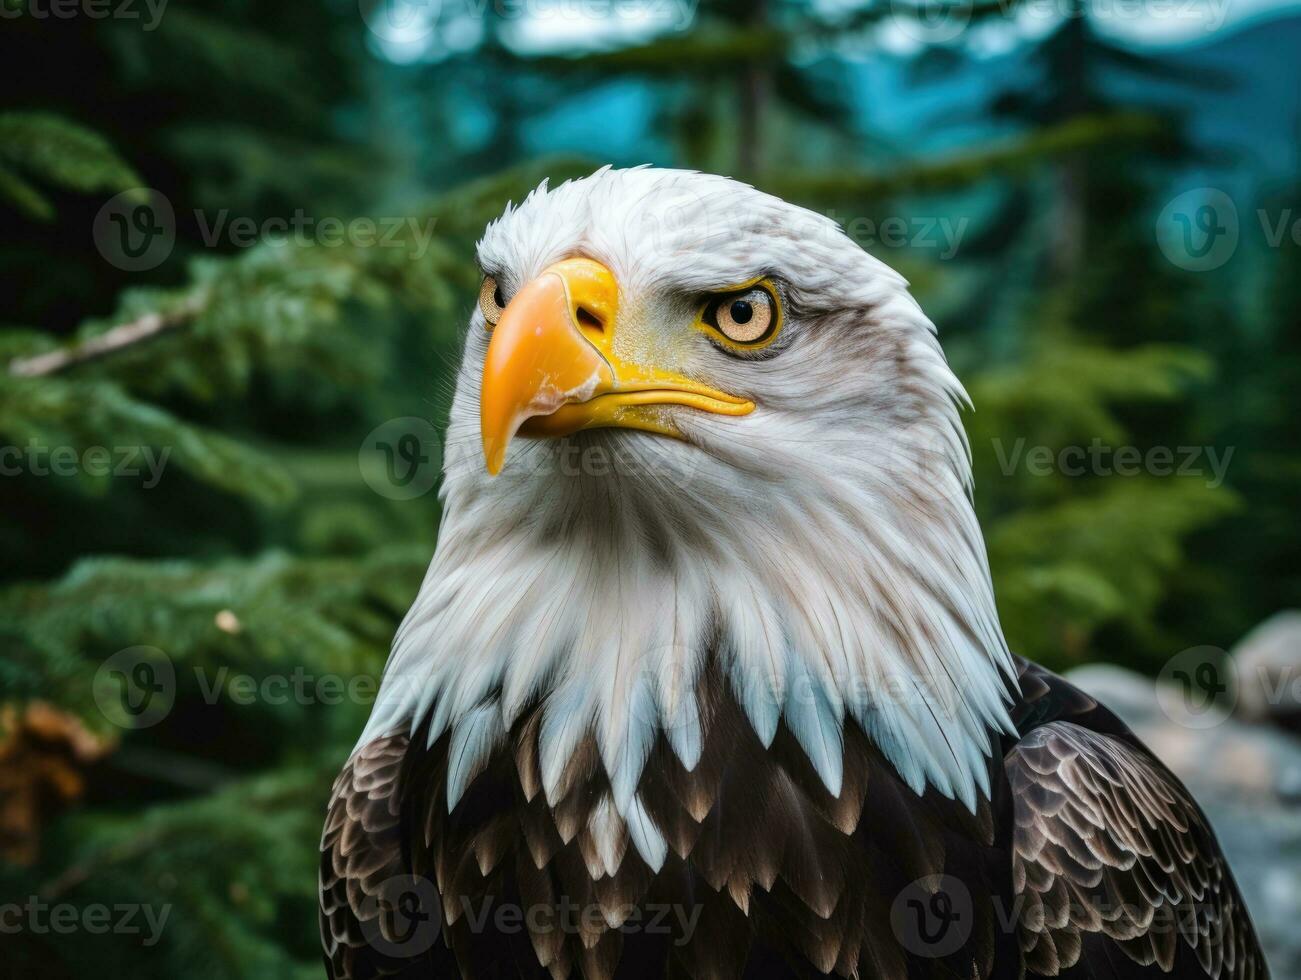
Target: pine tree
x=249 y=552
x=1095 y=356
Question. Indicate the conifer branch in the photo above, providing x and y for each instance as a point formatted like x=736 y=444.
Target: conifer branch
x=124 y=335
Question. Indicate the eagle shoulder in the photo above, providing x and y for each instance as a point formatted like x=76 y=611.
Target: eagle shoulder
x=1107 y=844
x=369 y=902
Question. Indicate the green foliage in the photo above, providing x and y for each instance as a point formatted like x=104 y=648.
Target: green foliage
x=278 y=305
x=709 y=50
x=50 y=149
x=1012 y=157
x=221 y=57
x=1081 y=538
x=1066 y=569
x=218 y=873
x=1067 y=391
x=266 y=614
x=80 y=416
x=239 y=374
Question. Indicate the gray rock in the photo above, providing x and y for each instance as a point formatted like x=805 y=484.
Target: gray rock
x=1267 y=668
x=1130 y=695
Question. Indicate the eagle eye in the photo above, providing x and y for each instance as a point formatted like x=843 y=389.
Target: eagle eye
x=491 y=300
x=749 y=317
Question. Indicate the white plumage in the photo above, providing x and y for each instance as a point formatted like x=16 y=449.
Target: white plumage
x=823 y=547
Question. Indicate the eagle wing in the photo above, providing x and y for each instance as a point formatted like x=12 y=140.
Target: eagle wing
x=1106 y=842
x=377 y=920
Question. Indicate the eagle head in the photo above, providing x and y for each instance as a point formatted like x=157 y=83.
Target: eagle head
x=699 y=433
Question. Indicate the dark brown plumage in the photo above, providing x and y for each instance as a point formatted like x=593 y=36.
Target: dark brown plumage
x=1090 y=860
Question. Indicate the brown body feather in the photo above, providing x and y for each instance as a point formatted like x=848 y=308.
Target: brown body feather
x=1090 y=861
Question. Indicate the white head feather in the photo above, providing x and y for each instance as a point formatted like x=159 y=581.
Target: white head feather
x=823 y=548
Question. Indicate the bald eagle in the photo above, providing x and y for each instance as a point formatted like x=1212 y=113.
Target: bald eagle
x=706 y=678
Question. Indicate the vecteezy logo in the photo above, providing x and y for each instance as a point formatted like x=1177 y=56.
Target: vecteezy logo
x=403 y=917
x=410 y=453
x=935 y=916
x=931 y=21
x=139 y=689
x=401 y=458
x=136 y=687
x=400 y=21
x=136 y=230
x=1207 y=682
x=1197 y=687
x=1198 y=230
x=1206 y=220
x=932 y=917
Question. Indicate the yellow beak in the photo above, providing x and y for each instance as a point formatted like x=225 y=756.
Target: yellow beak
x=551 y=367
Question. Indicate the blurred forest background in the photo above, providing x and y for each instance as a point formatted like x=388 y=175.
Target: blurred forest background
x=1040 y=171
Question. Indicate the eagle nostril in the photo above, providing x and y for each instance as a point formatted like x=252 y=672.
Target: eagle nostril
x=589 y=320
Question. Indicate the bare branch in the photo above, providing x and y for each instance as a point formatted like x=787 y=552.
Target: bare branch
x=124 y=335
